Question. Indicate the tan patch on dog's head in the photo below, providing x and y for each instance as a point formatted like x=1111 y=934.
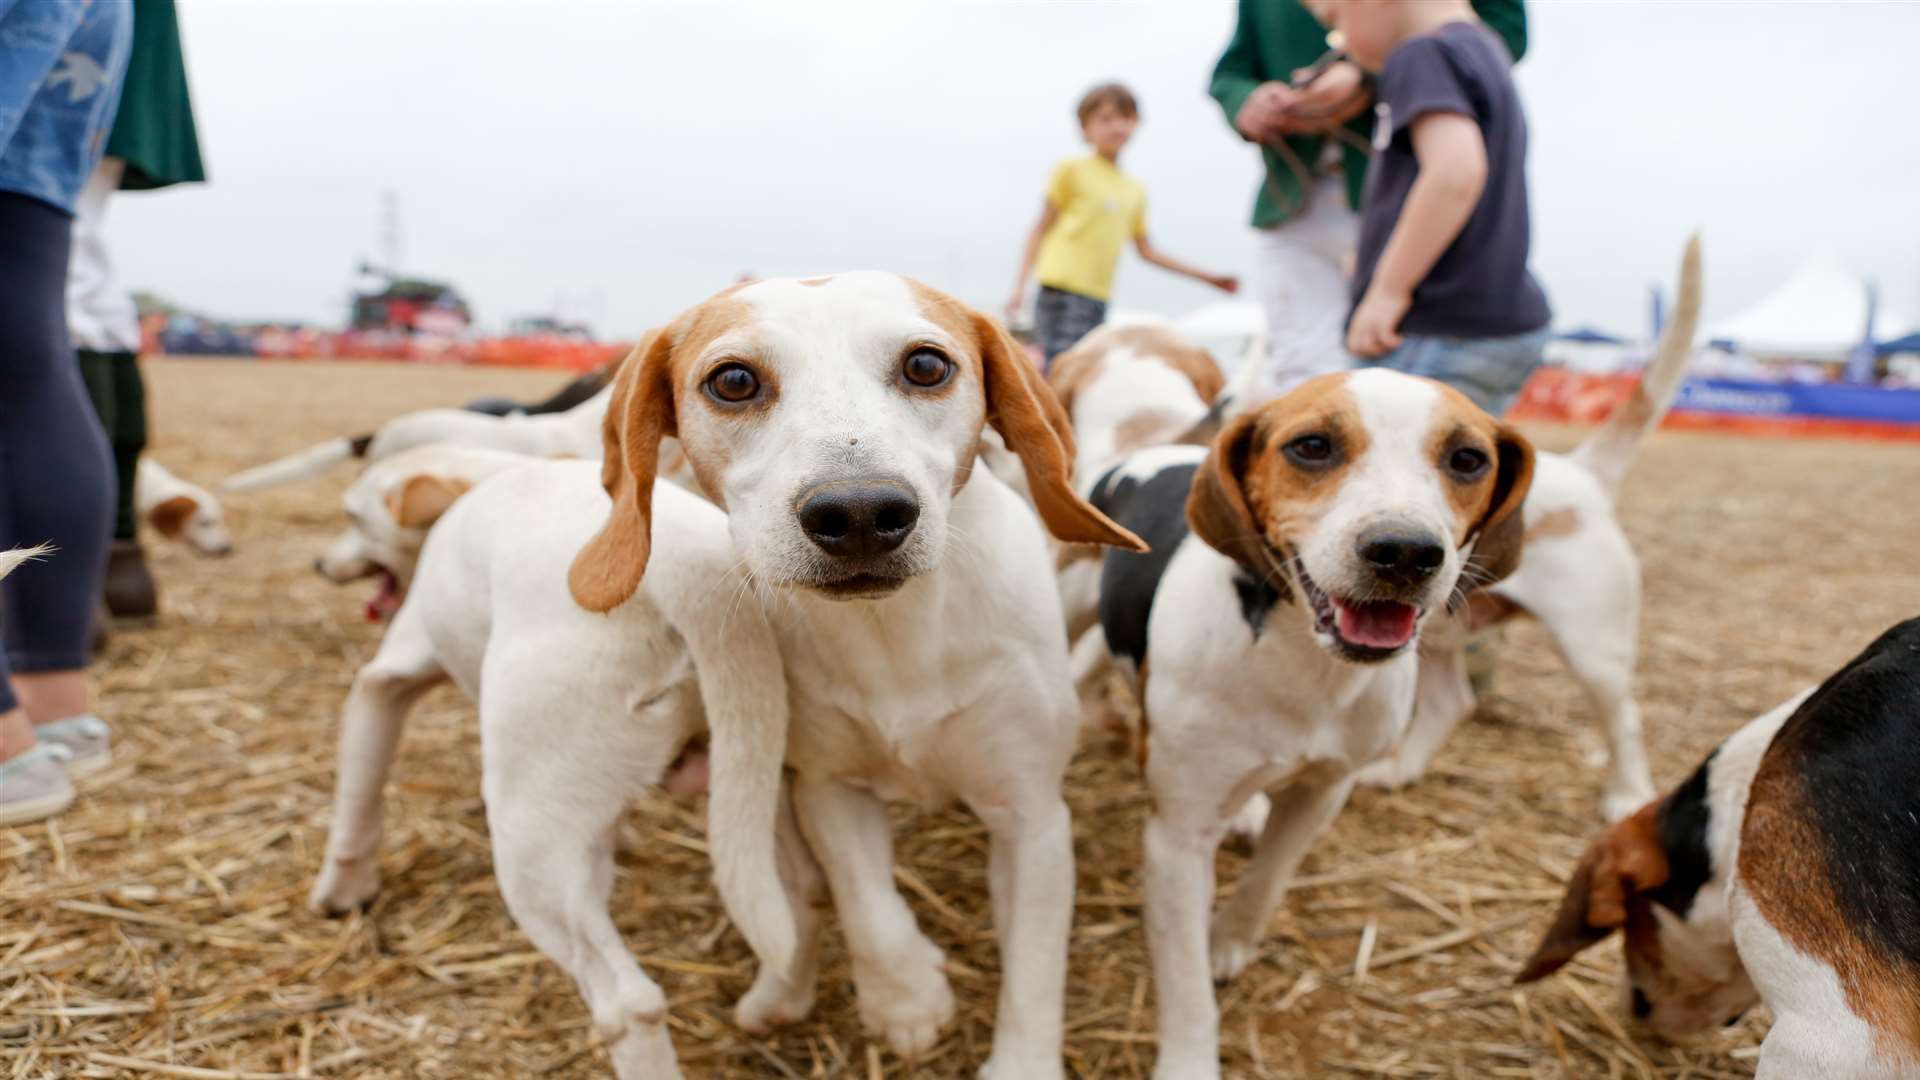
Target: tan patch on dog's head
x=1488 y=511
x=423 y=498
x=1783 y=865
x=1144 y=430
x=1249 y=501
x=169 y=518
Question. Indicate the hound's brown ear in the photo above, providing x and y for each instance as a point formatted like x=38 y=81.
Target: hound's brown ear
x=1217 y=506
x=1025 y=412
x=419 y=502
x=170 y=517
x=1626 y=859
x=639 y=414
x=1501 y=532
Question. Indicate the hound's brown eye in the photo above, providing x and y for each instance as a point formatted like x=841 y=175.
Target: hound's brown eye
x=924 y=367
x=1310 y=450
x=1467 y=462
x=733 y=384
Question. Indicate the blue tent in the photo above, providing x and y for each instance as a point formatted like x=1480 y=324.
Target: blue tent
x=1589 y=336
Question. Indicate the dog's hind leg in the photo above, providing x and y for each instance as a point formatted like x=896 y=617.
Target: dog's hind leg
x=370 y=724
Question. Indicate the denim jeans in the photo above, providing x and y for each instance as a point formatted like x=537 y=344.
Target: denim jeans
x=1490 y=371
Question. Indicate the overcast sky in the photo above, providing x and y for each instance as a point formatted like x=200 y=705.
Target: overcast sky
x=622 y=160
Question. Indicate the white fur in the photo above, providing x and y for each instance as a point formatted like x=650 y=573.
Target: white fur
x=205 y=529
x=578 y=713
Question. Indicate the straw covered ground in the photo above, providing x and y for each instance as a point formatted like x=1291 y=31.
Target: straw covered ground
x=158 y=928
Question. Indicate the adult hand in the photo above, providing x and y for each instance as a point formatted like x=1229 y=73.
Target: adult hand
x=1261 y=116
x=1375 y=328
x=1335 y=97
x=1226 y=283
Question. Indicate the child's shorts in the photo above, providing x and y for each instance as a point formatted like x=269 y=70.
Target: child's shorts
x=1490 y=371
x=1062 y=318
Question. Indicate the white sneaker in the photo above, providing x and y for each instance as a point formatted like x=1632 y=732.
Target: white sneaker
x=86 y=739
x=34 y=785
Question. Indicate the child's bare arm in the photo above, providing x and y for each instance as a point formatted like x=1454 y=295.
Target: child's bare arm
x=1453 y=173
x=1225 y=282
x=1047 y=215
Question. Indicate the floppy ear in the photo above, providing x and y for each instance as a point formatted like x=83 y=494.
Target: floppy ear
x=169 y=518
x=1626 y=860
x=1025 y=412
x=1501 y=532
x=1217 y=506
x=420 y=501
x=639 y=414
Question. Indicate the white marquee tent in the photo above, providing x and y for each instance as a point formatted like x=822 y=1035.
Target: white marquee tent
x=1819 y=313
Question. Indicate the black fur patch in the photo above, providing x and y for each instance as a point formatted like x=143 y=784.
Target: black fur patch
x=359 y=443
x=1156 y=510
x=1257 y=598
x=574 y=393
x=1682 y=829
x=1855 y=748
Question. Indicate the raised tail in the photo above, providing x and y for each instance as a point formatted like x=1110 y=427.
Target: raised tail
x=1610 y=451
x=294 y=468
x=743 y=688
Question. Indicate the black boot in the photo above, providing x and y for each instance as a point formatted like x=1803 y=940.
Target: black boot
x=129 y=588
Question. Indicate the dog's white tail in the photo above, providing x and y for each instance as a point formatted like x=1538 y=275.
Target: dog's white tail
x=293 y=468
x=1610 y=451
x=743 y=688
x=11 y=560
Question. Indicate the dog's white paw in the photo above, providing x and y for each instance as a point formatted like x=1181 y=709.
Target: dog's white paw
x=1176 y=1067
x=771 y=1002
x=1251 y=821
x=1231 y=952
x=345 y=885
x=906 y=1000
x=642 y=1051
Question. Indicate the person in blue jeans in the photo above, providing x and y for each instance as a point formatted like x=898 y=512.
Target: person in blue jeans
x=1441 y=286
x=60 y=77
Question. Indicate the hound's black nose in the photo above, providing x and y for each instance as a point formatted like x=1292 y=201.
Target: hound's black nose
x=1399 y=557
x=859 y=518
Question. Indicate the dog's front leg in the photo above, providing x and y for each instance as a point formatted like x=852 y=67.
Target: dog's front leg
x=903 y=993
x=782 y=997
x=1299 y=814
x=1179 y=844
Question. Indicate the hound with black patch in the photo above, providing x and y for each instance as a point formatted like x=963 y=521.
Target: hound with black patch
x=1785 y=869
x=1271 y=635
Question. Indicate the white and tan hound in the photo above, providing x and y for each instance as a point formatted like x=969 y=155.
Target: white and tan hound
x=1271 y=635
x=837 y=422
x=179 y=510
x=1785 y=869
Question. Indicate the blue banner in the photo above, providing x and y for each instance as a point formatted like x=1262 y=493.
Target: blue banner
x=1835 y=401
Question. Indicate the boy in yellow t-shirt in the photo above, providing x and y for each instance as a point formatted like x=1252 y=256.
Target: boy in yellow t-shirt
x=1092 y=209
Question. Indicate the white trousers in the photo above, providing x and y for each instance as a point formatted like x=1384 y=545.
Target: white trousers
x=1301 y=277
x=100 y=312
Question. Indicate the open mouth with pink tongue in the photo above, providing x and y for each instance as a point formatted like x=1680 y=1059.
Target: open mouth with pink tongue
x=1362 y=630
x=387 y=601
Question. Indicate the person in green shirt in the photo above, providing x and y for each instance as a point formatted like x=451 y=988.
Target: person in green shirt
x=1314 y=144
x=153 y=145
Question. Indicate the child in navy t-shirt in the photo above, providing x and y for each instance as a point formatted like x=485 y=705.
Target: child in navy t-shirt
x=1440 y=285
